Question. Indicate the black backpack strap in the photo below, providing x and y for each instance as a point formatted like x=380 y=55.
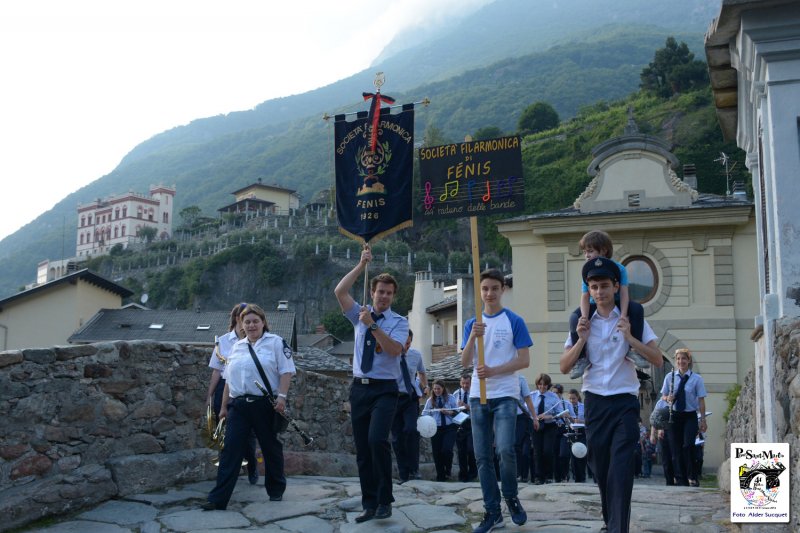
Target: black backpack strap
x=261 y=372
x=636 y=318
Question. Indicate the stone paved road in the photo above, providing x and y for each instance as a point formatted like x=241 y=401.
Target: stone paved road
x=329 y=505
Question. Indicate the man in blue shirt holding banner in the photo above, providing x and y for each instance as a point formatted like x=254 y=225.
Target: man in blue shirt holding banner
x=379 y=337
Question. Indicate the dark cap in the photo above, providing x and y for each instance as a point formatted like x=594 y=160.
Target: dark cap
x=600 y=267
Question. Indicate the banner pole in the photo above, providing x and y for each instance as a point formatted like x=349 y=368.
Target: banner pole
x=473 y=227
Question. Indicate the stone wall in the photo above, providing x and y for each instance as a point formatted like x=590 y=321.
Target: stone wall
x=83 y=424
x=786 y=398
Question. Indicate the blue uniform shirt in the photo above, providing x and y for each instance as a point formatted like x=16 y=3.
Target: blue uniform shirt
x=550 y=401
x=431 y=403
x=524 y=392
x=695 y=388
x=415 y=364
x=384 y=366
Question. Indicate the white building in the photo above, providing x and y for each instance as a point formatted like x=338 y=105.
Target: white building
x=119 y=219
x=753 y=52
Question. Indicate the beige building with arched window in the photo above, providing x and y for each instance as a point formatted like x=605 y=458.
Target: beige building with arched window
x=691 y=259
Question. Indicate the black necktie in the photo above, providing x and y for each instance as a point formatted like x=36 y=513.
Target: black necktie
x=466 y=397
x=368 y=353
x=540 y=409
x=680 y=394
x=406 y=376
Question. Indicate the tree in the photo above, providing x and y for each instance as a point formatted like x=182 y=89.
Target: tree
x=487 y=132
x=190 y=215
x=337 y=325
x=538 y=117
x=147 y=233
x=673 y=70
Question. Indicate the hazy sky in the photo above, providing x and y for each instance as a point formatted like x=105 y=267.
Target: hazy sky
x=84 y=81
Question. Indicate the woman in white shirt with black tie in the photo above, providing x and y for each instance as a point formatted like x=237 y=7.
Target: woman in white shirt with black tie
x=686 y=392
x=442 y=407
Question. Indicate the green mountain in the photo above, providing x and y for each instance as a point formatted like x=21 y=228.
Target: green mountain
x=482 y=71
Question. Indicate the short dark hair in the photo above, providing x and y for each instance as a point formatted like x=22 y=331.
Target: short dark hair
x=466 y=374
x=493 y=273
x=385 y=277
x=544 y=378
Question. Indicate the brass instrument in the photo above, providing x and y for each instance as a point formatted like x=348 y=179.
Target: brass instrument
x=307 y=440
x=222 y=359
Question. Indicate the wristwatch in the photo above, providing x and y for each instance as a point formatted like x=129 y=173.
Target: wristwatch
x=373 y=326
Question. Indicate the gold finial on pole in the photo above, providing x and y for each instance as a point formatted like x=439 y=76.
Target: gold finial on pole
x=380 y=79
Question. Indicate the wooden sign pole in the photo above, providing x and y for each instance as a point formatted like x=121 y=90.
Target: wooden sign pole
x=476 y=269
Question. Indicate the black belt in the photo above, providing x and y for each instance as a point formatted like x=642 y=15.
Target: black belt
x=372 y=381
x=250 y=398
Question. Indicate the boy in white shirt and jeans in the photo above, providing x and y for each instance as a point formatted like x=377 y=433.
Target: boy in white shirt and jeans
x=506 y=344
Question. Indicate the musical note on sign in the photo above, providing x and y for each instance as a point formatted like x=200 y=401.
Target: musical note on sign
x=451 y=189
x=427 y=202
x=488 y=196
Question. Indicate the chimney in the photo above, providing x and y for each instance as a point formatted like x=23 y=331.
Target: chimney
x=690 y=175
x=739 y=191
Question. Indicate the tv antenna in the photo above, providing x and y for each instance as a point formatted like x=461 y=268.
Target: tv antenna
x=724 y=160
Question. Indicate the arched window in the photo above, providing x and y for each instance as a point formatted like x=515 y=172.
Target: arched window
x=116 y=213
x=124 y=211
x=116 y=232
x=166 y=218
x=123 y=231
x=90 y=220
x=642 y=278
x=81 y=238
x=83 y=221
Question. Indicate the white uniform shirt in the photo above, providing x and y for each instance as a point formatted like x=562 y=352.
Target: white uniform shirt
x=241 y=372
x=505 y=333
x=224 y=347
x=610 y=372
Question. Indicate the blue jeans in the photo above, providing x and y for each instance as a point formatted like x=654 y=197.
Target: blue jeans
x=497 y=418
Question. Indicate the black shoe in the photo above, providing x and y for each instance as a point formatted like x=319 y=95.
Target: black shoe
x=252 y=477
x=604 y=527
x=518 y=514
x=211 y=506
x=383 y=511
x=368 y=514
x=276 y=498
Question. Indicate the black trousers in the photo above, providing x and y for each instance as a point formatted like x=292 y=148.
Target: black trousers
x=405 y=441
x=666 y=460
x=612 y=433
x=250 y=450
x=442 y=447
x=244 y=418
x=543 y=446
x=579 y=465
x=467 y=466
x=372 y=408
x=522 y=445
x=681 y=434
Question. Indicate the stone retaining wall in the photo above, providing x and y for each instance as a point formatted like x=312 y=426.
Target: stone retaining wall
x=82 y=424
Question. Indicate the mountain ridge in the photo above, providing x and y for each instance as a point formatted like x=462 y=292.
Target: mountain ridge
x=210 y=157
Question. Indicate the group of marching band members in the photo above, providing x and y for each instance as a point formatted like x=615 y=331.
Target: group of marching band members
x=515 y=434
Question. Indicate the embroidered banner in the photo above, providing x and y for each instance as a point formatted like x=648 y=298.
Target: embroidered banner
x=374 y=186
x=471 y=179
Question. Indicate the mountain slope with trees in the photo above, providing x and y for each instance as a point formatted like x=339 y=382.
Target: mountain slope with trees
x=209 y=158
